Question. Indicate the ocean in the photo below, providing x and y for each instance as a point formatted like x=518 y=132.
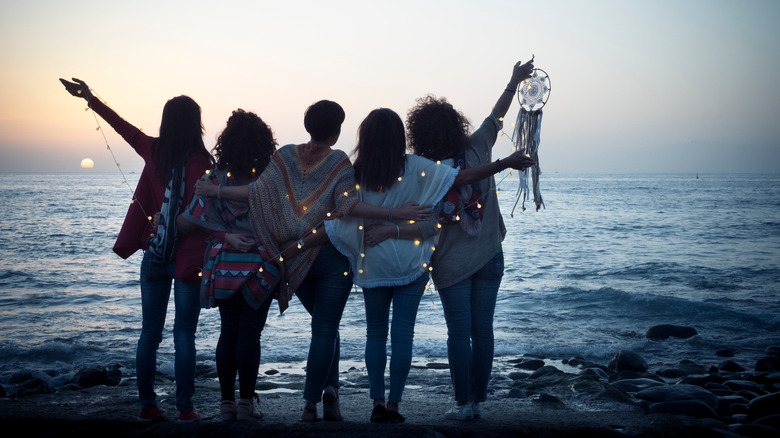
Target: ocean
x=608 y=257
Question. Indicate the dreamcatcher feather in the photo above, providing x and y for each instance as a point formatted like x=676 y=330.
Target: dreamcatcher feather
x=532 y=94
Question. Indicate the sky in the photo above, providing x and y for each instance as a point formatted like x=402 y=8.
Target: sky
x=636 y=86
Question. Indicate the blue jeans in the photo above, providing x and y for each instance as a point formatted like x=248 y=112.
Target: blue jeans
x=405 y=301
x=324 y=293
x=469 y=307
x=156 y=280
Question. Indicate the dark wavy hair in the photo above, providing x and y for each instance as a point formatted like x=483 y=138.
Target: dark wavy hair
x=435 y=129
x=323 y=120
x=380 y=150
x=181 y=134
x=246 y=143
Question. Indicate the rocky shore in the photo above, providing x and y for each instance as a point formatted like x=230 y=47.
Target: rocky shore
x=529 y=396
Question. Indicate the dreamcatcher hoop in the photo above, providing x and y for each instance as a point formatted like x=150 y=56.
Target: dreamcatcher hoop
x=532 y=94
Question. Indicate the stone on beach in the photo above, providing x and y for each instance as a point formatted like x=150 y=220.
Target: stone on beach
x=665 y=331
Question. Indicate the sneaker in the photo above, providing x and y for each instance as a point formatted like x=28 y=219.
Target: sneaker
x=247 y=410
x=188 y=416
x=475 y=414
x=148 y=415
x=227 y=410
x=460 y=413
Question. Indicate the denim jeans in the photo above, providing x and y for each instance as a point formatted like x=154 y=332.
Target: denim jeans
x=156 y=280
x=469 y=307
x=324 y=293
x=405 y=301
x=238 y=347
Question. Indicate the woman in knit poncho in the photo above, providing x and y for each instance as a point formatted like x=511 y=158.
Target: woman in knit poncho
x=302 y=186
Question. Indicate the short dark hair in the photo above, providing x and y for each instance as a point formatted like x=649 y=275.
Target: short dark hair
x=323 y=120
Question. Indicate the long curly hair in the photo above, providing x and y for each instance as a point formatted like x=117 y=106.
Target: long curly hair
x=380 y=150
x=435 y=129
x=245 y=145
x=181 y=134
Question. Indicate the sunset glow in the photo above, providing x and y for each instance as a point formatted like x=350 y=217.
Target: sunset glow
x=87 y=163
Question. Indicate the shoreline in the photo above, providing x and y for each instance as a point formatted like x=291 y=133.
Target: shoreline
x=527 y=397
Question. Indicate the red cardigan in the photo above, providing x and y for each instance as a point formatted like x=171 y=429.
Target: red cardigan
x=149 y=193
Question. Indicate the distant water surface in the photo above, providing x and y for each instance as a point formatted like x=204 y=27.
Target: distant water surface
x=609 y=257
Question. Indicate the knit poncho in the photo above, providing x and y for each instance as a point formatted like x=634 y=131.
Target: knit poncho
x=293 y=196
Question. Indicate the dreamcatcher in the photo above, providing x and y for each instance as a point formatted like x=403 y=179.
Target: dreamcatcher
x=532 y=94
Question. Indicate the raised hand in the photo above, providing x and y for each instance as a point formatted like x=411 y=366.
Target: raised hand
x=78 y=88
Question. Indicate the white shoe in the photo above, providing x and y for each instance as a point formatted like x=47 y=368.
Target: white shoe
x=227 y=410
x=475 y=414
x=460 y=413
x=246 y=410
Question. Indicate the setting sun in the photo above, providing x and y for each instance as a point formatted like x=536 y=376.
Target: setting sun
x=87 y=163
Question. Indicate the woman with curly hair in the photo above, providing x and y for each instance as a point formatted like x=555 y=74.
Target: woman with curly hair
x=232 y=277
x=468 y=262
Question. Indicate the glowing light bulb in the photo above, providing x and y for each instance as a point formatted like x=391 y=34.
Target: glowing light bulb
x=457 y=218
x=360 y=271
x=360 y=227
x=425 y=265
x=346 y=273
x=500 y=119
x=261 y=269
x=208 y=171
x=433 y=248
x=423 y=173
x=357 y=186
x=399 y=178
x=430 y=268
x=148 y=217
x=281 y=259
x=300 y=246
x=438 y=225
x=479 y=205
x=314 y=231
x=328 y=214
x=438 y=162
x=200 y=274
x=229 y=175
x=304 y=208
x=416 y=242
x=362 y=254
x=411 y=222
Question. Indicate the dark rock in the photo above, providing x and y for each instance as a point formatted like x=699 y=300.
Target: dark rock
x=730 y=365
x=549 y=401
x=754 y=430
x=33 y=386
x=89 y=377
x=678 y=392
x=702 y=379
x=271 y=372
x=628 y=360
x=724 y=404
x=765 y=405
x=622 y=375
x=518 y=375
x=692 y=408
x=769 y=420
x=665 y=331
x=530 y=364
x=684 y=368
x=635 y=385
x=738 y=409
x=768 y=363
x=517 y=393
x=750 y=395
x=738 y=385
x=595 y=372
x=438 y=365
x=545 y=371
x=724 y=353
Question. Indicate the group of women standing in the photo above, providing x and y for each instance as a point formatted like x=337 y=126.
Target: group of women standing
x=293 y=220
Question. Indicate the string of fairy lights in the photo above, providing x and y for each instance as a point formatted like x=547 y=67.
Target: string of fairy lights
x=280 y=258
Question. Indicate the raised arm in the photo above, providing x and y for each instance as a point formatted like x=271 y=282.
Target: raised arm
x=208 y=188
x=520 y=72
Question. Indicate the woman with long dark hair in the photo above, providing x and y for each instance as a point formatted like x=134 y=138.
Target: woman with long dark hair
x=174 y=161
x=391 y=261
x=238 y=275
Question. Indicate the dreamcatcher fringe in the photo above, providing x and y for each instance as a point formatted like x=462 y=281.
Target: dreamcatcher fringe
x=526 y=135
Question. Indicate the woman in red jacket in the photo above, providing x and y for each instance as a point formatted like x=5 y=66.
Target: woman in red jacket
x=173 y=163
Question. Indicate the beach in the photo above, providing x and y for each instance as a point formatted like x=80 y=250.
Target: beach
x=528 y=396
